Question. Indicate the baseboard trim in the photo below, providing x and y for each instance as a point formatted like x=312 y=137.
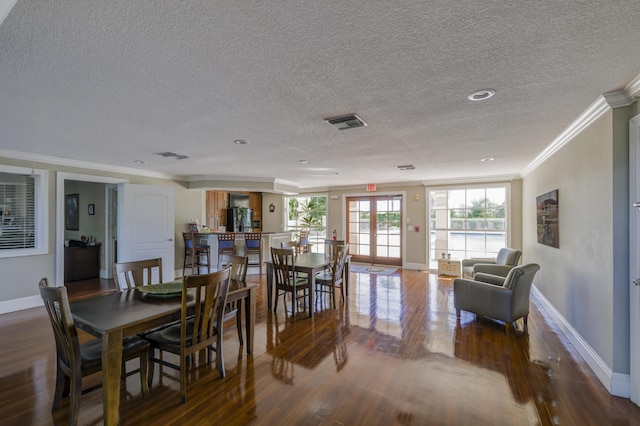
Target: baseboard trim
x=617 y=384
x=14 y=305
x=416 y=266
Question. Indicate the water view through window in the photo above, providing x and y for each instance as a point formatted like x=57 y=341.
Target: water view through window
x=467 y=222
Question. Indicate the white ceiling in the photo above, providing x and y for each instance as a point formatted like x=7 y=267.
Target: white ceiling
x=111 y=82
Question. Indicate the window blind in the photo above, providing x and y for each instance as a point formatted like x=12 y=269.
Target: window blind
x=17 y=211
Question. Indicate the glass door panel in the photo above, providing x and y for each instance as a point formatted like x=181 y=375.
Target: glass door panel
x=374 y=229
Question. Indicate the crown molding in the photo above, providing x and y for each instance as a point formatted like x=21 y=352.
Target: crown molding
x=5 y=8
x=472 y=179
x=25 y=156
x=592 y=113
x=611 y=100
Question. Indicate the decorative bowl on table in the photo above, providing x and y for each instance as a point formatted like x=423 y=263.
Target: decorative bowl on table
x=171 y=289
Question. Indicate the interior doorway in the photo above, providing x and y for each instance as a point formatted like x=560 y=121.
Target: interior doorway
x=61 y=178
x=374 y=229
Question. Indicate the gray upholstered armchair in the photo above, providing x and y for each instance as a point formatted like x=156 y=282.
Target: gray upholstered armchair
x=504 y=299
x=506 y=259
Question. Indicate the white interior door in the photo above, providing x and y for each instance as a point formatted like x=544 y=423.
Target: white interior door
x=634 y=255
x=146 y=225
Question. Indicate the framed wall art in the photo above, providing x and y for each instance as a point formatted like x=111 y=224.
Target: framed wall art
x=547 y=219
x=71 y=219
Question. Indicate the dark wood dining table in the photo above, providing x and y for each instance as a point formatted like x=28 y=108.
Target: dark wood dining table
x=117 y=315
x=310 y=264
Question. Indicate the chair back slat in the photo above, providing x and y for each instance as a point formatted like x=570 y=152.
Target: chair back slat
x=339 y=259
x=128 y=275
x=238 y=265
x=329 y=247
x=211 y=292
x=284 y=265
x=56 y=302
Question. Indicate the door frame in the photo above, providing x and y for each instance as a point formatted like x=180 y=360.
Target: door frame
x=60 y=203
x=403 y=233
x=634 y=258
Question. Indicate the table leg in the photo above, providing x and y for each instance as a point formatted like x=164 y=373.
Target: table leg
x=269 y=284
x=250 y=318
x=111 y=370
x=345 y=277
x=312 y=285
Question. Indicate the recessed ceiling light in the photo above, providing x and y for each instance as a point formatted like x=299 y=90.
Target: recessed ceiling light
x=140 y=162
x=304 y=161
x=481 y=95
x=484 y=160
x=240 y=142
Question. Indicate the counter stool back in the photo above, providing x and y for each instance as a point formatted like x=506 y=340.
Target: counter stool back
x=253 y=246
x=226 y=244
x=195 y=255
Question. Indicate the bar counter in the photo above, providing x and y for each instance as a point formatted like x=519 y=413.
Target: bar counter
x=269 y=239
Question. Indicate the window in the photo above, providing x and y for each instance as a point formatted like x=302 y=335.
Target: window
x=308 y=213
x=22 y=212
x=467 y=222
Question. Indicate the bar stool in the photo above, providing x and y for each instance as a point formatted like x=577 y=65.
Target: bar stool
x=226 y=244
x=253 y=245
x=195 y=255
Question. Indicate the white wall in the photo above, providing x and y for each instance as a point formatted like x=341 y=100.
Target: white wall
x=578 y=278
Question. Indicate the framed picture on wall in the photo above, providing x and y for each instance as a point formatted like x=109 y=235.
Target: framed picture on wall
x=71 y=219
x=547 y=219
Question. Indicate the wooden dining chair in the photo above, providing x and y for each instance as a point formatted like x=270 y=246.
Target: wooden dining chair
x=289 y=245
x=253 y=246
x=286 y=278
x=201 y=331
x=128 y=275
x=196 y=255
x=238 y=265
x=73 y=360
x=329 y=246
x=328 y=284
x=303 y=242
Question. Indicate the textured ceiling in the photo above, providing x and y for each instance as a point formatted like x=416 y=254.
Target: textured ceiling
x=111 y=82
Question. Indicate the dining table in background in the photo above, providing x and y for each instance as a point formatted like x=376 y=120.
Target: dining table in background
x=310 y=264
x=114 y=316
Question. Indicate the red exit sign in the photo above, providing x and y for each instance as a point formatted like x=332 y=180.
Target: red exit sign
x=371 y=187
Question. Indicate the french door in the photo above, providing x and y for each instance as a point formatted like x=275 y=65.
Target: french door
x=374 y=229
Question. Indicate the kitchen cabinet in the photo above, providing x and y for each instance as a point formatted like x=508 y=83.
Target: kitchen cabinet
x=255 y=203
x=218 y=201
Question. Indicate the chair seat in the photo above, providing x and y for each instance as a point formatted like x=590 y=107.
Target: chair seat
x=325 y=275
x=92 y=352
x=170 y=336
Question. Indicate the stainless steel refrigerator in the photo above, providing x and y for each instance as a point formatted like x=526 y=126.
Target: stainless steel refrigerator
x=239 y=219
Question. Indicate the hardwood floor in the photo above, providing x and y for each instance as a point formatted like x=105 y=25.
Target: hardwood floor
x=394 y=354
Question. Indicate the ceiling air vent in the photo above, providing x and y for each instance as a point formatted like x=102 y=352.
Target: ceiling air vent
x=406 y=167
x=173 y=155
x=347 y=122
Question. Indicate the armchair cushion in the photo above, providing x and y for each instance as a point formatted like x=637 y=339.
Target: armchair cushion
x=488 y=278
x=506 y=259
